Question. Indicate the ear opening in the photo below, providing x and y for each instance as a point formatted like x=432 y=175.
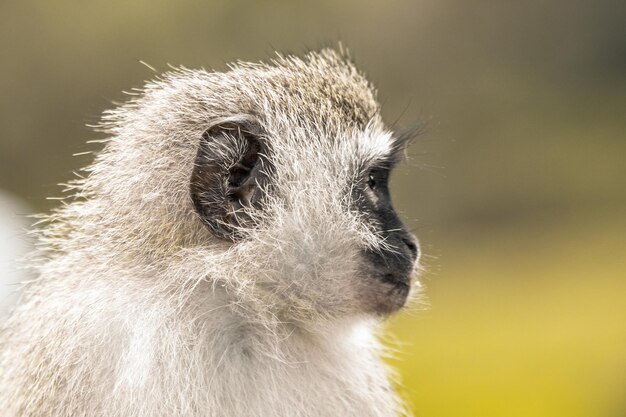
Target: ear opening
x=240 y=172
x=228 y=177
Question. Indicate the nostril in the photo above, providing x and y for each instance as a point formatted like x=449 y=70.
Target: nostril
x=389 y=278
x=412 y=246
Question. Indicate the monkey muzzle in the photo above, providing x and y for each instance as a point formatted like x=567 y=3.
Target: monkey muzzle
x=390 y=272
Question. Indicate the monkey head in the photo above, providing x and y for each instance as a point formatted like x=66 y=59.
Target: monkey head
x=278 y=176
x=299 y=176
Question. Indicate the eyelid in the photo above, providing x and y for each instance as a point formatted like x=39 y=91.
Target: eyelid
x=376 y=166
x=379 y=173
x=385 y=166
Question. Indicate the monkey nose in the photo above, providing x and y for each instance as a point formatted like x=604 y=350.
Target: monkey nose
x=412 y=245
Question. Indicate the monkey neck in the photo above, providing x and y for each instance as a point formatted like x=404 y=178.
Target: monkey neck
x=325 y=370
x=187 y=350
x=268 y=333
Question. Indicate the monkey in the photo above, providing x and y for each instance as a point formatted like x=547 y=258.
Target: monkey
x=231 y=251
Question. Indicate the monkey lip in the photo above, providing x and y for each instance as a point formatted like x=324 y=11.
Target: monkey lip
x=391 y=293
x=395 y=281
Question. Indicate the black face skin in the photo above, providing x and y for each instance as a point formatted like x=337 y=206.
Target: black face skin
x=390 y=269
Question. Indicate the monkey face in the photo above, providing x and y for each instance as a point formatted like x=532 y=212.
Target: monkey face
x=316 y=215
x=390 y=266
x=293 y=182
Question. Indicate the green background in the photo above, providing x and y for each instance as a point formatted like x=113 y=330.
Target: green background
x=517 y=188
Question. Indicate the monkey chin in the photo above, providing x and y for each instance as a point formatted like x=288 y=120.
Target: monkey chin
x=386 y=282
x=385 y=294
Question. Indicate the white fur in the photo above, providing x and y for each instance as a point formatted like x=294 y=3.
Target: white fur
x=139 y=311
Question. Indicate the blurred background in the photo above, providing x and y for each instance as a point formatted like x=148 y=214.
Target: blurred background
x=517 y=188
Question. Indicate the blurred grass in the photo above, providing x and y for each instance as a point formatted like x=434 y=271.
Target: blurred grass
x=527 y=321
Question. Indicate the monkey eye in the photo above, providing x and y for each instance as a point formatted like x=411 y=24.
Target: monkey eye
x=377 y=178
x=371 y=181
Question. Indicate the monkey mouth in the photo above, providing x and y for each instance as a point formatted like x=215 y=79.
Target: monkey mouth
x=400 y=284
x=387 y=292
x=396 y=291
x=389 y=282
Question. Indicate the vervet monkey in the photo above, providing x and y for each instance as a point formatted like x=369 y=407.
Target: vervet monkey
x=230 y=252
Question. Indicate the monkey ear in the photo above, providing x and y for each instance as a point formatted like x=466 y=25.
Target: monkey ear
x=228 y=177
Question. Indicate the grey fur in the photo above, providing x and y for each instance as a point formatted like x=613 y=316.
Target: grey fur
x=139 y=311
